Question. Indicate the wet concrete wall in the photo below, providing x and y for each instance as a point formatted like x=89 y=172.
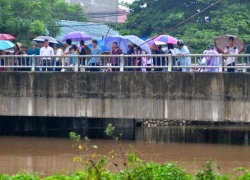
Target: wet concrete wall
x=173 y=96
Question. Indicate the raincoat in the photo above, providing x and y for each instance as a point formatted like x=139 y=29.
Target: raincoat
x=183 y=61
x=212 y=61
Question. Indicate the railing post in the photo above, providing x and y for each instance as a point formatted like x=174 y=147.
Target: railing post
x=221 y=63
x=122 y=63
x=170 y=63
x=77 y=64
x=33 y=61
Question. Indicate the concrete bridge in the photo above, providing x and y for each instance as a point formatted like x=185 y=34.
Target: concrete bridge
x=127 y=95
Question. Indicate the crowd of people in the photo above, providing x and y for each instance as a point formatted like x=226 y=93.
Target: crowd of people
x=66 y=59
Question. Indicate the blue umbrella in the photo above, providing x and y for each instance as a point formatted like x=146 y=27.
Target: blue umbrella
x=101 y=45
x=6 y=45
x=121 y=42
x=139 y=42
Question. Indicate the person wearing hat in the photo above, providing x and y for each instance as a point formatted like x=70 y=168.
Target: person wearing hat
x=24 y=61
x=34 y=50
x=212 y=61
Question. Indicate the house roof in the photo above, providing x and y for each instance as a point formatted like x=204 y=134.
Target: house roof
x=95 y=30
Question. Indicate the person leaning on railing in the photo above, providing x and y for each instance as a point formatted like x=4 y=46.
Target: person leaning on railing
x=45 y=52
x=24 y=61
x=33 y=50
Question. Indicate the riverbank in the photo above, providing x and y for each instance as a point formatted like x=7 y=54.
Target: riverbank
x=139 y=170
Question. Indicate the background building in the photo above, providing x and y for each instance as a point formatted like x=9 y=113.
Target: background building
x=99 y=10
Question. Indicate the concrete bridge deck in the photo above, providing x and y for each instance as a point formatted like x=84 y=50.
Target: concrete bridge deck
x=127 y=95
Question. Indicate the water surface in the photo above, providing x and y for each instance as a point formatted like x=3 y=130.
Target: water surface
x=188 y=146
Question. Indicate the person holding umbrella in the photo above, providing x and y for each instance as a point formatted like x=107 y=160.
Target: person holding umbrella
x=231 y=49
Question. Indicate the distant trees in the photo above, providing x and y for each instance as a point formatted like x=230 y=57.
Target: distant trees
x=151 y=17
x=26 y=19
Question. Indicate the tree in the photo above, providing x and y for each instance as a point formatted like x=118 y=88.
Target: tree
x=152 y=17
x=27 y=19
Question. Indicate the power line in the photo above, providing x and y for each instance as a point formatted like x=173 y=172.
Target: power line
x=211 y=5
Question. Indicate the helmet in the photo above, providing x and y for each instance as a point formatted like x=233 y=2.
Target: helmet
x=180 y=43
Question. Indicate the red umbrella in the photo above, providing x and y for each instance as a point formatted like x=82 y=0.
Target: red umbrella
x=7 y=37
x=222 y=41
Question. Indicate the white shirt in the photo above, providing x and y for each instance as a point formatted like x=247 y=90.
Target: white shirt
x=67 y=50
x=59 y=52
x=46 y=52
x=150 y=60
x=231 y=50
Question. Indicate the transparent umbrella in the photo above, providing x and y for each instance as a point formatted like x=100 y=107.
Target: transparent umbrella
x=222 y=41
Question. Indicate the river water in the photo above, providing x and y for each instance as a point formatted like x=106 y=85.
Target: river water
x=189 y=146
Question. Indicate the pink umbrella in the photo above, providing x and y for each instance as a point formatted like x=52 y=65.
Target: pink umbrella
x=7 y=37
x=162 y=38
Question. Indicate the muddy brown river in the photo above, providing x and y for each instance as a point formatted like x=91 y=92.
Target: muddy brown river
x=188 y=146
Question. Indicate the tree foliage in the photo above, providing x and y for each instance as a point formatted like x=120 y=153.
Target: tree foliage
x=26 y=19
x=152 y=17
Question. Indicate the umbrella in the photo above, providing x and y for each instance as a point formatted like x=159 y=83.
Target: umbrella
x=42 y=38
x=121 y=42
x=139 y=42
x=77 y=36
x=5 y=44
x=7 y=37
x=167 y=39
x=222 y=41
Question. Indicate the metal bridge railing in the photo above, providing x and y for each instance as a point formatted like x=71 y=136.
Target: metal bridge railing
x=162 y=62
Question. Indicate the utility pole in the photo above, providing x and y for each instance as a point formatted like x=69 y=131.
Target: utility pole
x=117 y=3
x=52 y=15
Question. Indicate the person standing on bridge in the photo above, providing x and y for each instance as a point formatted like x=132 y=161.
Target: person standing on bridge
x=34 y=50
x=115 y=51
x=183 y=60
x=46 y=52
x=65 y=61
x=59 y=53
x=231 y=49
x=95 y=61
x=212 y=61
